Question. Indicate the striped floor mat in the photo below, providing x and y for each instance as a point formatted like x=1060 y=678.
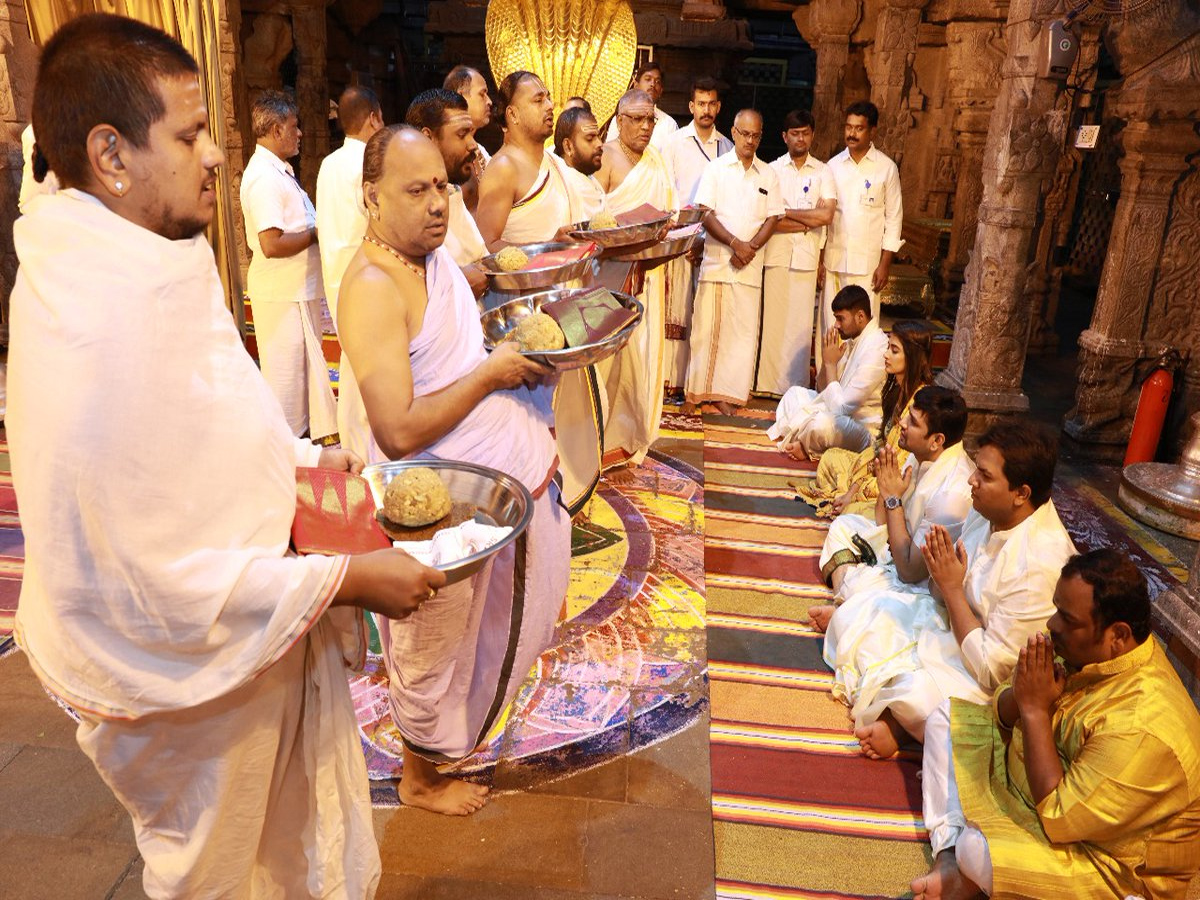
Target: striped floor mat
x=798 y=812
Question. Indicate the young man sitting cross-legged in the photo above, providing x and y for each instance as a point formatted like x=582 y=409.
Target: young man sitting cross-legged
x=1082 y=779
x=862 y=555
x=897 y=654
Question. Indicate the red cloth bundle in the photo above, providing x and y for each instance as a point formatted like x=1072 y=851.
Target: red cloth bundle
x=554 y=258
x=640 y=215
x=335 y=513
x=589 y=317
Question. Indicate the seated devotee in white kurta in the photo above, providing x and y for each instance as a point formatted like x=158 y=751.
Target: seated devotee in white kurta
x=442 y=117
x=848 y=403
x=160 y=601
x=417 y=382
x=633 y=173
x=898 y=653
x=577 y=143
x=284 y=278
x=1082 y=778
x=862 y=555
x=742 y=193
x=341 y=213
x=649 y=78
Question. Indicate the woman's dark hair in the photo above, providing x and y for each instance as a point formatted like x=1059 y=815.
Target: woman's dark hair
x=916 y=340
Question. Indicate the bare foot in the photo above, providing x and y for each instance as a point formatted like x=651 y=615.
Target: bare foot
x=879 y=740
x=944 y=881
x=620 y=475
x=688 y=409
x=820 y=616
x=726 y=408
x=423 y=787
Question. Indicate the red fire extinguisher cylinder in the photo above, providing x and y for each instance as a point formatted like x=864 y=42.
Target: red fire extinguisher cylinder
x=1150 y=416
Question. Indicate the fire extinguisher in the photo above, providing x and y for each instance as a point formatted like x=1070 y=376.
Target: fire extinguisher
x=1152 y=409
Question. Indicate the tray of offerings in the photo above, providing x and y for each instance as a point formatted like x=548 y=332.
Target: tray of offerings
x=676 y=243
x=544 y=265
x=638 y=226
x=691 y=215
x=477 y=495
x=590 y=335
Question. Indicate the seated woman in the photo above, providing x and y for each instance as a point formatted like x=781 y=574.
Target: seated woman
x=845 y=480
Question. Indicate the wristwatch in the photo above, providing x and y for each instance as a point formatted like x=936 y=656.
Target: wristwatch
x=892 y=502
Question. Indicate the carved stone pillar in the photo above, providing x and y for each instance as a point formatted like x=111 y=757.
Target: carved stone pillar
x=976 y=55
x=312 y=91
x=1113 y=348
x=987 y=358
x=18 y=70
x=829 y=26
x=891 y=72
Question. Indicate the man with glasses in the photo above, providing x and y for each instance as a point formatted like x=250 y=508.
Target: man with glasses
x=649 y=78
x=743 y=195
x=632 y=173
x=689 y=150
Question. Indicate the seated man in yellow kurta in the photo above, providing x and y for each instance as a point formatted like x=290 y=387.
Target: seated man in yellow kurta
x=1083 y=779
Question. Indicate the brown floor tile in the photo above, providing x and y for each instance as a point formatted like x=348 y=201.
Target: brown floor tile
x=604 y=782
x=37 y=867
x=411 y=887
x=130 y=887
x=46 y=791
x=518 y=839
x=8 y=753
x=640 y=850
x=27 y=714
x=674 y=773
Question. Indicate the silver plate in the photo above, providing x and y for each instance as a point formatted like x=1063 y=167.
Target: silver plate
x=500 y=321
x=664 y=250
x=690 y=215
x=501 y=499
x=622 y=235
x=532 y=279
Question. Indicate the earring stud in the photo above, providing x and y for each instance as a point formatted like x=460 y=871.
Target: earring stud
x=120 y=187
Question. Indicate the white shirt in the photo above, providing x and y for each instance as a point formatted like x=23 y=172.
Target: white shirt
x=687 y=156
x=664 y=128
x=272 y=198
x=743 y=199
x=858 y=390
x=800 y=188
x=939 y=493
x=869 y=214
x=463 y=239
x=341 y=214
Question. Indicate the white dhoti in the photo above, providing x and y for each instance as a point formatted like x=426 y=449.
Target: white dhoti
x=723 y=342
x=292 y=360
x=785 y=349
x=681 y=293
x=802 y=417
x=260 y=793
x=834 y=282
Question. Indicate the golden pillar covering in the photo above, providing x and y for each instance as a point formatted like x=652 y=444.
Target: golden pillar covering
x=584 y=48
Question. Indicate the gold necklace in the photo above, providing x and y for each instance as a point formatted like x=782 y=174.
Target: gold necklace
x=629 y=154
x=416 y=270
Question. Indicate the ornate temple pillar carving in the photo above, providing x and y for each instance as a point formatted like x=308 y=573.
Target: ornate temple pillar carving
x=312 y=91
x=987 y=358
x=827 y=29
x=890 y=67
x=976 y=51
x=18 y=70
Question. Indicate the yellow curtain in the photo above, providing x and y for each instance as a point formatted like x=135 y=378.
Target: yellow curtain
x=194 y=24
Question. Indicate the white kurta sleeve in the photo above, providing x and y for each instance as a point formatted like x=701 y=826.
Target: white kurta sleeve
x=775 y=205
x=1020 y=604
x=706 y=192
x=855 y=386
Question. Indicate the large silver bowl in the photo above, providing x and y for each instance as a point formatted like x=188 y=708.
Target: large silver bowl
x=690 y=215
x=500 y=500
x=533 y=279
x=663 y=250
x=500 y=321
x=622 y=235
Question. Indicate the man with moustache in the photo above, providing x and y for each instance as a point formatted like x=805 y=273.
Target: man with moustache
x=1082 y=777
x=649 y=78
x=791 y=259
x=688 y=151
x=577 y=143
x=418 y=382
x=633 y=173
x=742 y=193
x=443 y=117
x=204 y=659
x=341 y=215
x=284 y=279
x=473 y=87
x=865 y=232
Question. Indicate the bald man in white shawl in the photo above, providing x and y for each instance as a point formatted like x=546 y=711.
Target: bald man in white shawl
x=420 y=383
x=633 y=173
x=157 y=481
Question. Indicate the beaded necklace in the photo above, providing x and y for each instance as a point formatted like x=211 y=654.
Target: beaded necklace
x=416 y=270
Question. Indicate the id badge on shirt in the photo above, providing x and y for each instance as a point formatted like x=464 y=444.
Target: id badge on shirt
x=870 y=196
x=808 y=194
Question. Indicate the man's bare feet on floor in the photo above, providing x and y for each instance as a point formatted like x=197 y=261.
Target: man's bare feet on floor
x=423 y=787
x=944 y=881
x=620 y=475
x=880 y=739
x=819 y=616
